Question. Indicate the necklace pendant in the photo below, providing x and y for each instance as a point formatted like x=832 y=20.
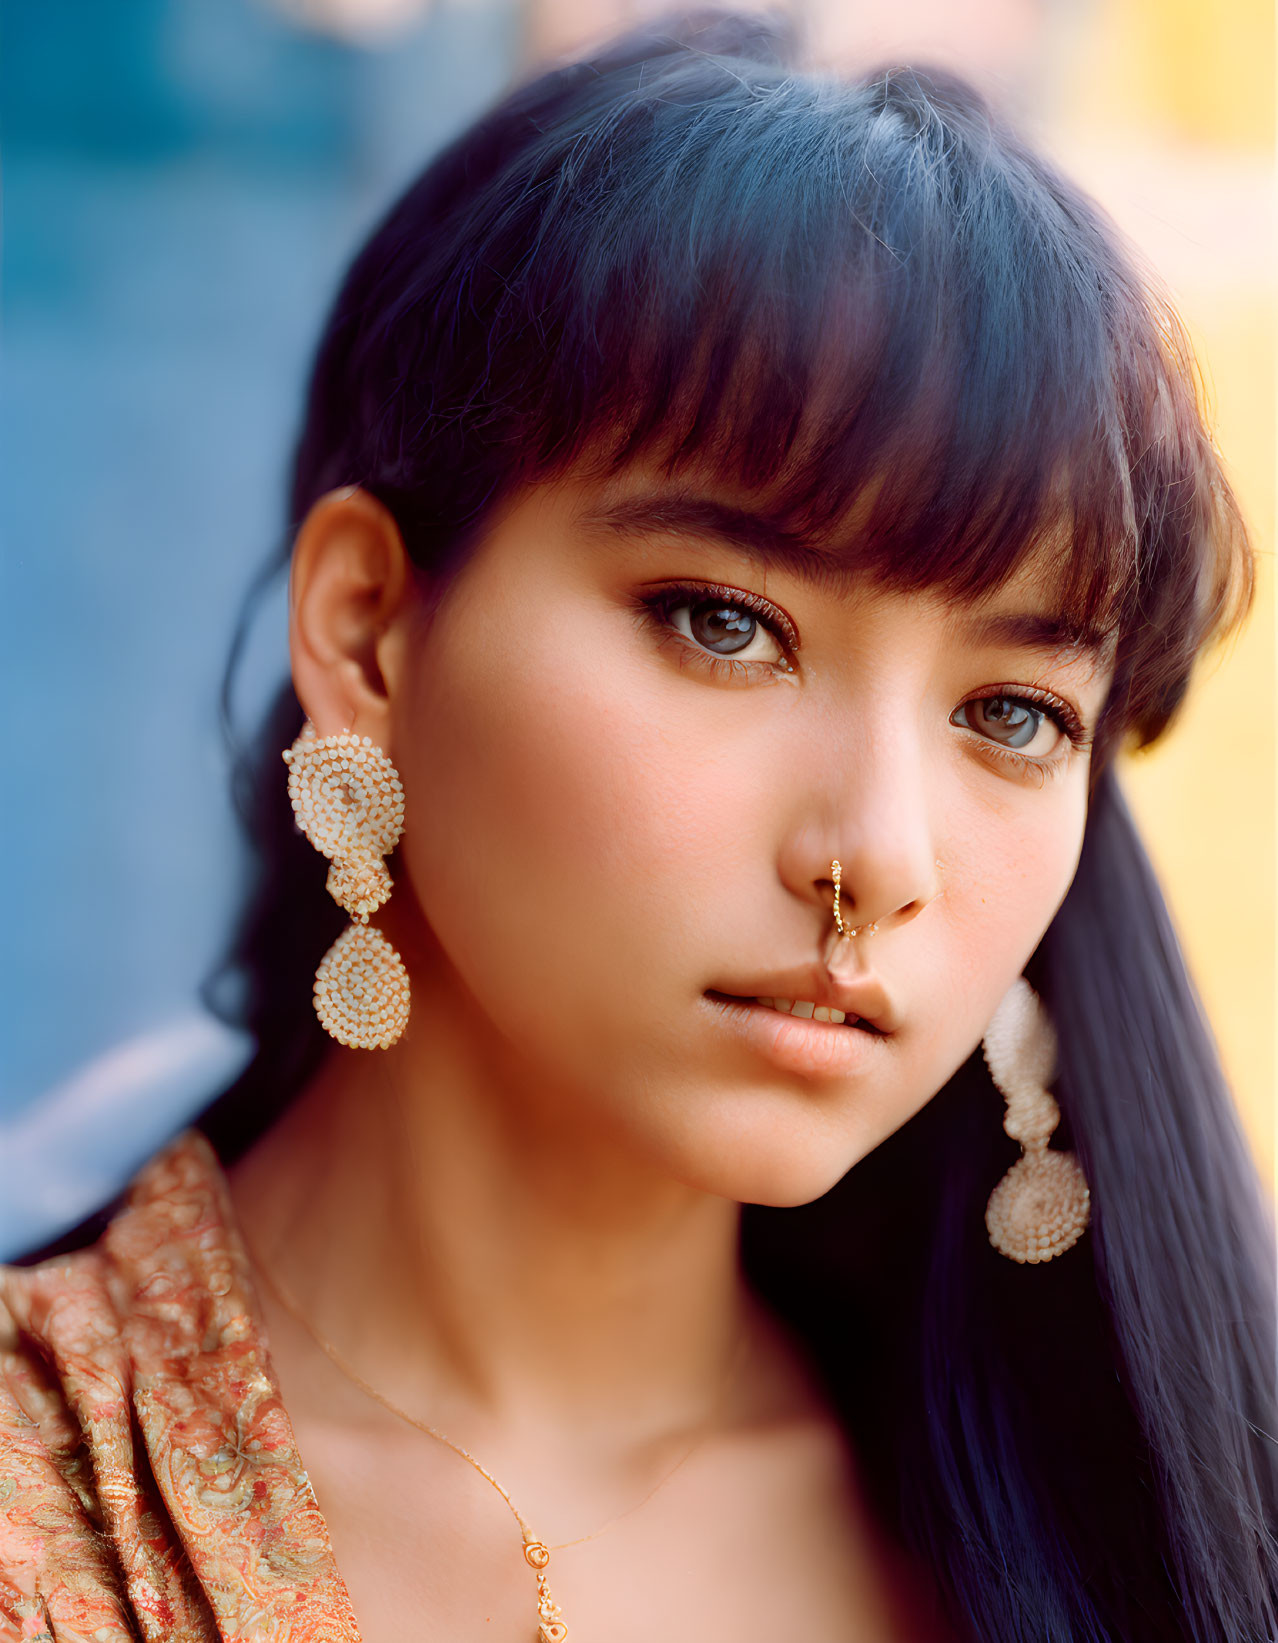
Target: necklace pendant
x=552 y=1628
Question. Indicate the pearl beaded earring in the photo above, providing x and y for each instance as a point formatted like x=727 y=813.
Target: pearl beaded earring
x=348 y=801
x=1041 y=1206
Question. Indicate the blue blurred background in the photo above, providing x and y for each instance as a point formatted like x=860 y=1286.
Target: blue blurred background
x=184 y=182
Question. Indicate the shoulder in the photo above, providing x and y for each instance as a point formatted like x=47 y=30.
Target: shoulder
x=163 y=1290
x=146 y=1458
x=67 y=1465
x=74 y=1341
x=87 y=1270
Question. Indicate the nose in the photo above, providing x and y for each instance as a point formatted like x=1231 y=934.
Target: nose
x=873 y=813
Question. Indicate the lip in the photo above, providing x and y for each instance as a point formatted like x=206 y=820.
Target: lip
x=863 y=996
x=810 y=1049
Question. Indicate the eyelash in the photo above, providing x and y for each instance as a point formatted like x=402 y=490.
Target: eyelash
x=657 y=604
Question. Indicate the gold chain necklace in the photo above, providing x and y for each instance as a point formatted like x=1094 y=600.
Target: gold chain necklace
x=550 y=1628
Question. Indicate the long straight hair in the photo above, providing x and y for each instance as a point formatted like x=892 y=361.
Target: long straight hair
x=870 y=301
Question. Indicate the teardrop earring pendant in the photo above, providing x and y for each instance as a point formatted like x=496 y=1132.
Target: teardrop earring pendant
x=348 y=801
x=1042 y=1205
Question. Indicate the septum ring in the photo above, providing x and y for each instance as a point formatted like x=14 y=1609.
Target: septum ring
x=846 y=930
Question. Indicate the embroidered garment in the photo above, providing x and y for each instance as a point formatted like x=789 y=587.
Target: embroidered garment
x=150 y=1484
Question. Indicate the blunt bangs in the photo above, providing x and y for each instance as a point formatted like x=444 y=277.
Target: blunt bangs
x=866 y=307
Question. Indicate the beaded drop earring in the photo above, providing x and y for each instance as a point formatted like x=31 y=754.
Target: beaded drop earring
x=1042 y=1205
x=347 y=799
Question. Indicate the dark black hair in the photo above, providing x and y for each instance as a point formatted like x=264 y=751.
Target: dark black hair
x=871 y=302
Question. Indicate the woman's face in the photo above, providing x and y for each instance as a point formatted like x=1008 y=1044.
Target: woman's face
x=631 y=747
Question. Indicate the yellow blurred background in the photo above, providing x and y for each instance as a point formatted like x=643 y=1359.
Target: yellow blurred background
x=1170 y=121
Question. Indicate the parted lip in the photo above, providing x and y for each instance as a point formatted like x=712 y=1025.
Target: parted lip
x=863 y=996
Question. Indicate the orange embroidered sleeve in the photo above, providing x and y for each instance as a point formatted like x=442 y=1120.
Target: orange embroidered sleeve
x=150 y=1484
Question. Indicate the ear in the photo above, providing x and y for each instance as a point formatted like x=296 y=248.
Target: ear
x=349 y=595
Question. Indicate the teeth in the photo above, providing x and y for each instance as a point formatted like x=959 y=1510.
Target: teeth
x=806 y=1011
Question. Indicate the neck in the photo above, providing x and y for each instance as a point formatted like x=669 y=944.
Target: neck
x=481 y=1260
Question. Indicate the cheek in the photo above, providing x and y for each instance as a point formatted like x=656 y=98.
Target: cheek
x=558 y=829
x=1010 y=869
x=1009 y=863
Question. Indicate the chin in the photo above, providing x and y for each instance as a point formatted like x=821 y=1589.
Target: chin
x=791 y=1188
x=781 y=1159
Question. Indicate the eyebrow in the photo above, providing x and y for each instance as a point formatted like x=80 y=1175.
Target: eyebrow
x=752 y=533
x=1052 y=631
x=774 y=545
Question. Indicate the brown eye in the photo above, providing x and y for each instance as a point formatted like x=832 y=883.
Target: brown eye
x=1010 y=720
x=725 y=629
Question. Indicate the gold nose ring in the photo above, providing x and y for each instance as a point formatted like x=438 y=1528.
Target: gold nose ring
x=836 y=873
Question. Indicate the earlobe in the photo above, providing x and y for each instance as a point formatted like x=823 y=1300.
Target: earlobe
x=348 y=587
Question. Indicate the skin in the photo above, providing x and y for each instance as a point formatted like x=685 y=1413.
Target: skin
x=520 y=1223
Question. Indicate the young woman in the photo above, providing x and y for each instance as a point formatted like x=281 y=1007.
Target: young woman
x=738 y=519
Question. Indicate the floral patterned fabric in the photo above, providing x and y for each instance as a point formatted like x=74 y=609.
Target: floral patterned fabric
x=150 y=1484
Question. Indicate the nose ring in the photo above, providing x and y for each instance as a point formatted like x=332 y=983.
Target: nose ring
x=836 y=873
